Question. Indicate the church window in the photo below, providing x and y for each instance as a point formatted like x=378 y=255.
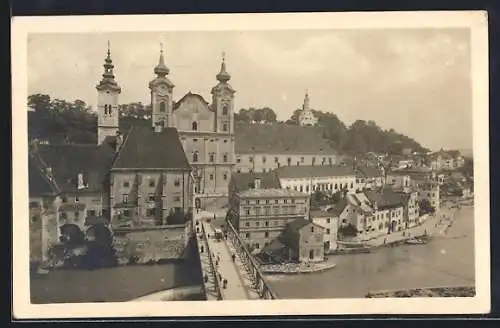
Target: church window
x=225 y=176
x=225 y=158
x=224 y=127
x=162 y=106
x=195 y=126
x=195 y=156
x=212 y=157
x=106 y=109
x=225 y=110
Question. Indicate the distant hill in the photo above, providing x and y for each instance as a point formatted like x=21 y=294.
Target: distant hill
x=467 y=152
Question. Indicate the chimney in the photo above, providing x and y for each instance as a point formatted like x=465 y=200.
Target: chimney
x=257 y=183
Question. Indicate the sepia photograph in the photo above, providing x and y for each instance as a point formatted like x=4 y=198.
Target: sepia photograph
x=276 y=167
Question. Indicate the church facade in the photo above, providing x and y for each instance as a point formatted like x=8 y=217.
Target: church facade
x=205 y=129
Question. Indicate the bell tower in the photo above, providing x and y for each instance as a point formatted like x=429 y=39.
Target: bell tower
x=108 y=92
x=223 y=101
x=161 y=95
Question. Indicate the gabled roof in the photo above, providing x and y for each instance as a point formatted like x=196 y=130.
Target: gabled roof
x=68 y=160
x=191 y=95
x=338 y=208
x=280 y=139
x=300 y=223
x=143 y=148
x=294 y=171
x=125 y=123
x=245 y=181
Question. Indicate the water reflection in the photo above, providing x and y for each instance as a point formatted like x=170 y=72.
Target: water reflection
x=445 y=261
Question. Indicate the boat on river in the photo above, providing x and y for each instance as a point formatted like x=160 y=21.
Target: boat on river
x=417 y=241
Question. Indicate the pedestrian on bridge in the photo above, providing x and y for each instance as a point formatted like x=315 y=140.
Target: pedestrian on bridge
x=220 y=276
x=233 y=257
x=224 y=284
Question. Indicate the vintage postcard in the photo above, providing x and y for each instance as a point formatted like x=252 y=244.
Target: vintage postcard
x=250 y=164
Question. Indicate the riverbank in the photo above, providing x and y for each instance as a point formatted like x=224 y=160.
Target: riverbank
x=296 y=268
x=191 y=293
x=425 y=292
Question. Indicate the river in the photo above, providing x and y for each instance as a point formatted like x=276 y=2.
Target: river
x=445 y=261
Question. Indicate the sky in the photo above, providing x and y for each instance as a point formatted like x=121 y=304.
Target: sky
x=416 y=81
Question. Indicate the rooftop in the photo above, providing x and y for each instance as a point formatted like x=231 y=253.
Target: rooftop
x=245 y=181
x=146 y=149
x=280 y=139
x=256 y=193
x=300 y=223
x=314 y=171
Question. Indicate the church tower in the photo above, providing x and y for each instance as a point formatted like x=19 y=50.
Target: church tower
x=306 y=115
x=223 y=101
x=107 y=102
x=161 y=96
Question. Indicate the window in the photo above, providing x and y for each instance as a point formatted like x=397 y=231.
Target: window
x=63 y=215
x=266 y=234
x=151 y=183
x=224 y=158
x=312 y=229
x=257 y=212
x=126 y=212
x=238 y=171
x=151 y=198
x=177 y=198
x=247 y=224
x=257 y=224
x=109 y=109
x=250 y=159
x=177 y=182
x=125 y=199
x=106 y=109
x=195 y=157
x=150 y=212
x=77 y=214
x=194 y=126
x=289 y=160
x=247 y=234
x=302 y=159
x=91 y=212
x=211 y=176
x=162 y=106
x=328 y=220
x=263 y=159
x=247 y=211
x=225 y=176
x=276 y=201
x=238 y=160
x=352 y=185
x=126 y=184
x=77 y=198
x=195 y=140
x=327 y=231
x=212 y=157
x=225 y=109
x=276 y=160
x=293 y=201
x=285 y=201
x=266 y=223
x=224 y=127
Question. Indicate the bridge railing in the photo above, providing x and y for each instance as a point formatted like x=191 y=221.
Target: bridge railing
x=213 y=268
x=262 y=287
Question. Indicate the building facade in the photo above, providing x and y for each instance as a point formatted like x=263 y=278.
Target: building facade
x=330 y=223
x=309 y=179
x=264 y=147
x=305 y=239
x=206 y=130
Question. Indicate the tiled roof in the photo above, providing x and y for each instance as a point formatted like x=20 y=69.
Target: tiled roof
x=370 y=172
x=280 y=139
x=146 y=149
x=338 y=208
x=300 y=223
x=244 y=181
x=254 y=193
x=68 y=160
x=314 y=171
x=127 y=122
x=385 y=199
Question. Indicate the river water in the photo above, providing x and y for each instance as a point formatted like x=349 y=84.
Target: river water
x=445 y=261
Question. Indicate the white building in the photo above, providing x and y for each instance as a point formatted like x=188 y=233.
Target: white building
x=318 y=178
x=329 y=220
x=306 y=116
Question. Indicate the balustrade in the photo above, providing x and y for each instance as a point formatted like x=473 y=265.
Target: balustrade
x=211 y=262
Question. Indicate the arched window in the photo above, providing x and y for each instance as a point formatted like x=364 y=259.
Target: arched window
x=109 y=109
x=195 y=157
x=212 y=157
x=195 y=126
x=106 y=109
x=225 y=110
x=162 y=106
x=224 y=158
